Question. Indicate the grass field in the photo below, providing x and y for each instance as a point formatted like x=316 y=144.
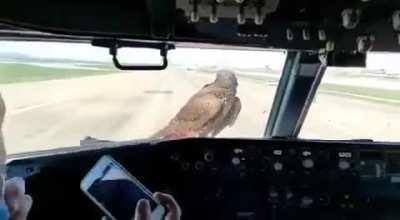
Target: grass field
x=385 y=96
x=15 y=73
x=371 y=94
x=379 y=93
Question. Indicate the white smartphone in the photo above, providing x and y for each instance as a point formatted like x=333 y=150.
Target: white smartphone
x=116 y=192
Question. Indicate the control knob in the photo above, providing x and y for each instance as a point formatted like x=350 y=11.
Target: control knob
x=308 y=163
x=306 y=202
x=278 y=166
x=344 y=165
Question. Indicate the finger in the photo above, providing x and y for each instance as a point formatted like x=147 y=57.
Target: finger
x=22 y=207
x=14 y=191
x=15 y=186
x=142 y=211
x=28 y=202
x=2 y=187
x=170 y=203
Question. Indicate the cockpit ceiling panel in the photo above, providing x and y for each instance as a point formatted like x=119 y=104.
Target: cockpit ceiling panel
x=341 y=25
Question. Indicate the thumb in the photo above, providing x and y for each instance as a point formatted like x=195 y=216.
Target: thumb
x=2 y=186
x=174 y=211
x=142 y=211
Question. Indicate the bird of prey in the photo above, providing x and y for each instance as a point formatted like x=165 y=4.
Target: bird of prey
x=207 y=112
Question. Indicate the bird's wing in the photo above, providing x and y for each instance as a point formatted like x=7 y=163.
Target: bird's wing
x=201 y=110
x=195 y=116
x=230 y=117
x=236 y=108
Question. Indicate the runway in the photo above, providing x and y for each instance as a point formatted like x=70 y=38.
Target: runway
x=134 y=105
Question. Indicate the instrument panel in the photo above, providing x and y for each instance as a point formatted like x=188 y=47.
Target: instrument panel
x=355 y=26
x=350 y=26
x=234 y=179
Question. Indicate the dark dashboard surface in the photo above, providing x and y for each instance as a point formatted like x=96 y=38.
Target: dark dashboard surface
x=233 y=179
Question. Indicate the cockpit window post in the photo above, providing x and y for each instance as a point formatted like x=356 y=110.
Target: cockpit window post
x=301 y=77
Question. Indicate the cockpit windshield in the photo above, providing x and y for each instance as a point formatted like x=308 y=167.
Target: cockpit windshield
x=58 y=94
x=358 y=103
x=68 y=94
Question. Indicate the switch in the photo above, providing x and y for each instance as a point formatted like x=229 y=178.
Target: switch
x=321 y=35
x=175 y=157
x=350 y=18
x=236 y=161
x=306 y=34
x=278 y=166
x=308 y=163
x=344 y=165
x=199 y=165
x=258 y=18
x=213 y=15
x=245 y=216
x=289 y=195
x=277 y=152
x=208 y=156
x=241 y=19
x=194 y=17
x=324 y=199
x=273 y=194
x=185 y=166
x=289 y=34
x=365 y=43
x=396 y=20
x=213 y=18
x=306 y=202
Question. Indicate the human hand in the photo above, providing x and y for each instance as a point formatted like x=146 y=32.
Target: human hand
x=13 y=194
x=173 y=210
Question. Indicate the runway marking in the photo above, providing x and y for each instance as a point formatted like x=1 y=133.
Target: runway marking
x=33 y=107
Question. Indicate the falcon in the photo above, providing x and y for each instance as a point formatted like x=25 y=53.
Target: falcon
x=207 y=112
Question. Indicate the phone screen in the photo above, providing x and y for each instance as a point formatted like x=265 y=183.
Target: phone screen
x=116 y=192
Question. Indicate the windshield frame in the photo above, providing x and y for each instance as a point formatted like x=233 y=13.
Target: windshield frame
x=302 y=74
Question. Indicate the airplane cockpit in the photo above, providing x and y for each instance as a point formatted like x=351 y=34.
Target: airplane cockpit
x=295 y=114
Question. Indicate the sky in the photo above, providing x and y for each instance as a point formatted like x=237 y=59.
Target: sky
x=181 y=56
